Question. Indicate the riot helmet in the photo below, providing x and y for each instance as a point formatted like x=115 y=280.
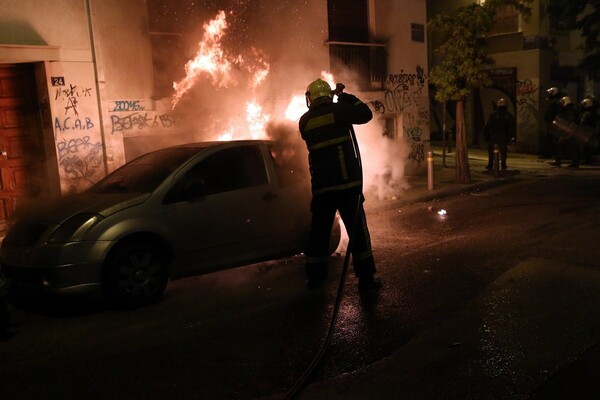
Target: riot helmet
x=553 y=91
x=565 y=101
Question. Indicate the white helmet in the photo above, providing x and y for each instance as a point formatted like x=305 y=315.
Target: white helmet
x=565 y=101
x=553 y=91
x=587 y=103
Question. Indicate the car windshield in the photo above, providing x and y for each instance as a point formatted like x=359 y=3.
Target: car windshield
x=145 y=173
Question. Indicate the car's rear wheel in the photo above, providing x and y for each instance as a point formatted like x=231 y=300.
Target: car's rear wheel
x=135 y=274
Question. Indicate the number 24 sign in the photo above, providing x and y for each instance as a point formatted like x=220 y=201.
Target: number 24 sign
x=57 y=80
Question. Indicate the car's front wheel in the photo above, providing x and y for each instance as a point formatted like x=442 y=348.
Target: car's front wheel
x=135 y=274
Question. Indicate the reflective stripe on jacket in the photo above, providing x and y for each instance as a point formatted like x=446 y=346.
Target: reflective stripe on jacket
x=333 y=160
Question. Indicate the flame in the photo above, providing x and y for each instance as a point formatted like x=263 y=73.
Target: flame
x=328 y=77
x=296 y=108
x=256 y=119
x=225 y=71
x=227 y=135
x=260 y=70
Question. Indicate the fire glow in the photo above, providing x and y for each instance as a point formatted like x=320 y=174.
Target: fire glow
x=224 y=71
x=209 y=59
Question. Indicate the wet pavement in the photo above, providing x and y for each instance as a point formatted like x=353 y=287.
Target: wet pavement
x=440 y=353
x=249 y=331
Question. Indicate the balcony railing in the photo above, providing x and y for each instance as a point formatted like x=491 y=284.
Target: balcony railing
x=367 y=60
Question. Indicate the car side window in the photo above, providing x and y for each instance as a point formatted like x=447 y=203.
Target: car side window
x=226 y=170
x=289 y=167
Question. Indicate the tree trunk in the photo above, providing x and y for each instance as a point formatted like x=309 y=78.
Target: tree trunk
x=463 y=173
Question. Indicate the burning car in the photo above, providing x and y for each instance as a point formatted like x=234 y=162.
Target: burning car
x=174 y=212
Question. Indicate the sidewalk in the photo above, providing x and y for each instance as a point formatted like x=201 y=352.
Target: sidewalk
x=520 y=166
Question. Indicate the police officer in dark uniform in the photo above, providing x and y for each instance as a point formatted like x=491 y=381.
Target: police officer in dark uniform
x=499 y=130
x=567 y=145
x=553 y=98
x=337 y=182
x=588 y=119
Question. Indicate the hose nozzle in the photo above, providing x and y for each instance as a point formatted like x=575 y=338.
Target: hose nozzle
x=339 y=88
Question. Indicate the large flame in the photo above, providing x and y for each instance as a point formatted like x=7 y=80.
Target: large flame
x=225 y=71
x=209 y=59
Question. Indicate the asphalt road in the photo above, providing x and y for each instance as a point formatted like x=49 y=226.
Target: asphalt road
x=498 y=299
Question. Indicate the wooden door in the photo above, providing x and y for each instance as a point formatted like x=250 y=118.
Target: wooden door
x=21 y=153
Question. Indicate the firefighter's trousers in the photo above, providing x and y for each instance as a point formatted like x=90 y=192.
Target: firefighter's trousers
x=324 y=207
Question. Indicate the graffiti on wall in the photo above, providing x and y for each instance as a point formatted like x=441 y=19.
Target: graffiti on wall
x=70 y=98
x=527 y=109
x=71 y=95
x=140 y=121
x=78 y=147
x=405 y=95
x=80 y=158
x=127 y=105
x=378 y=106
x=132 y=116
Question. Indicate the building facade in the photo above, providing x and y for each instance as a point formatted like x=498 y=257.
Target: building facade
x=531 y=55
x=86 y=85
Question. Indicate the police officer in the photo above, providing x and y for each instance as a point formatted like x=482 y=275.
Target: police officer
x=499 y=130
x=588 y=120
x=553 y=98
x=567 y=145
x=336 y=179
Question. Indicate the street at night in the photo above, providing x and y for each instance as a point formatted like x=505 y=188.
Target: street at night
x=496 y=299
x=170 y=174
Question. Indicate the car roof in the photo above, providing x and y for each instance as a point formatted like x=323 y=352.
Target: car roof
x=216 y=143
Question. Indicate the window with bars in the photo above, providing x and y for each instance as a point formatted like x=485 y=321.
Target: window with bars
x=350 y=47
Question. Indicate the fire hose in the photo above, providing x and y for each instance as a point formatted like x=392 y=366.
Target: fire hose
x=340 y=291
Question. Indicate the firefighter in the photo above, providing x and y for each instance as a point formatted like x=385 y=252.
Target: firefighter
x=588 y=120
x=336 y=180
x=553 y=98
x=499 y=130
x=567 y=145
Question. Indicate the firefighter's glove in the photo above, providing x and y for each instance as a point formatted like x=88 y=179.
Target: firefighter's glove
x=347 y=98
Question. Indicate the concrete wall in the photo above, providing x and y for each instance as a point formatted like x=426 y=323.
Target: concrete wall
x=405 y=96
x=91 y=57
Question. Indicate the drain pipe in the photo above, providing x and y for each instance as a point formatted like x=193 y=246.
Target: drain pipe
x=88 y=11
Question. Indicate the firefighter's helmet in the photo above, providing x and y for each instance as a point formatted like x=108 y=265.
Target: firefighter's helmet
x=553 y=91
x=502 y=102
x=565 y=101
x=318 y=89
x=587 y=103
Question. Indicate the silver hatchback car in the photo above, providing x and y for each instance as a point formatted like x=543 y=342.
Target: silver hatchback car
x=174 y=212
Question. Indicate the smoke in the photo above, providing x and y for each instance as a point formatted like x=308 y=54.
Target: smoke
x=382 y=160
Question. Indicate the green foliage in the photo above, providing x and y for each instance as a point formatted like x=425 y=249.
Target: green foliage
x=585 y=16
x=464 y=60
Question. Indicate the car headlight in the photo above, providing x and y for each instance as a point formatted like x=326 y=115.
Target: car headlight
x=75 y=228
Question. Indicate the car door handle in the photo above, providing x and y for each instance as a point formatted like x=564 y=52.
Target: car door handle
x=269 y=196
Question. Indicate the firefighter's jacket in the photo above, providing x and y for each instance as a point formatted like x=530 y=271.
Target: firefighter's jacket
x=326 y=128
